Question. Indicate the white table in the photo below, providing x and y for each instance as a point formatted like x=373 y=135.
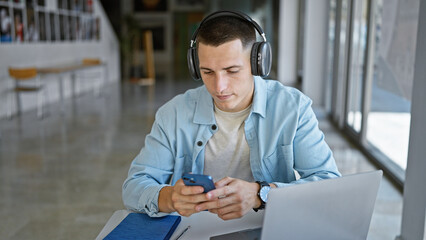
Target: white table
x=203 y=224
x=70 y=68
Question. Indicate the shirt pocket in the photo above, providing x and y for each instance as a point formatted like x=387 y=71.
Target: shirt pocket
x=279 y=164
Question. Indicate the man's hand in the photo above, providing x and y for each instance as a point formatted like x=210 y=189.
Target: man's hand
x=181 y=198
x=231 y=199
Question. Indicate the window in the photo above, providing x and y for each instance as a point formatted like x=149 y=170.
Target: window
x=340 y=63
x=372 y=76
x=356 y=68
x=330 y=53
x=389 y=116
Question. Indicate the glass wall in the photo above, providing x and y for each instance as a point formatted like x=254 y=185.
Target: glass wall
x=341 y=63
x=330 y=53
x=389 y=116
x=356 y=69
x=372 y=75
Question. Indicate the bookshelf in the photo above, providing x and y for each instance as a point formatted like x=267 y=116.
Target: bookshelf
x=31 y=21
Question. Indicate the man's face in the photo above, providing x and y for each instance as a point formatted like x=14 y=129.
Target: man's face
x=226 y=73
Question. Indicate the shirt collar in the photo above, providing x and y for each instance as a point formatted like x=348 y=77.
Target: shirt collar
x=204 y=110
x=260 y=96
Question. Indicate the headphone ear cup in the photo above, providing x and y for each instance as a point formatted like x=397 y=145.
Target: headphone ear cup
x=266 y=61
x=261 y=59
x=253 y=59
x=193 y=63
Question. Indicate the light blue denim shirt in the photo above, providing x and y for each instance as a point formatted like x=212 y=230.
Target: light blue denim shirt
x=281 y=131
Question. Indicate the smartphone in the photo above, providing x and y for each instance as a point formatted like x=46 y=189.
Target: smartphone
x=204 y=181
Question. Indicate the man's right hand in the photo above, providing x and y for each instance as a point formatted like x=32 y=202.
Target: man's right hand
x=181 y=198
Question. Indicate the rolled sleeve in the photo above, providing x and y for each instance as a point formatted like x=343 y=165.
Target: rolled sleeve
x=313 y=157
x=148 y=201
x=149 y=172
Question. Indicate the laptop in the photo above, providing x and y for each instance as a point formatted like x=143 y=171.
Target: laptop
x=338 y=208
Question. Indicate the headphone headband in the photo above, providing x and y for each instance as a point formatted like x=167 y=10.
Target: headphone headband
x=260 y=55
x=232 y=14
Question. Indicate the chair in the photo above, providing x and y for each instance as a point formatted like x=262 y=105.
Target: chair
x=92 y=76
x=91 y=61
x=149 y=60
x=32 y=82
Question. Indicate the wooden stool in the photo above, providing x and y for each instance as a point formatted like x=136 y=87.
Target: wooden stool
x=21 y=75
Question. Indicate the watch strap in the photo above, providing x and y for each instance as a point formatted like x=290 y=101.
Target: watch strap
x=262 y=203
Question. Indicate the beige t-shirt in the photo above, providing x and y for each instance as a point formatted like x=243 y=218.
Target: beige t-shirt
x=227 y=152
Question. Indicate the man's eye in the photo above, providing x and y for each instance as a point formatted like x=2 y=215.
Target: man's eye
x=207 y=73
x=235 y=71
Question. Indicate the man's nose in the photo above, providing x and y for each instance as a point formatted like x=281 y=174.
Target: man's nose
x=221 y=82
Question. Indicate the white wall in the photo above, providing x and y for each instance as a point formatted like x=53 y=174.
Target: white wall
x=288 y=45
x=414 y=203
x=56 y=53
x=315 y=50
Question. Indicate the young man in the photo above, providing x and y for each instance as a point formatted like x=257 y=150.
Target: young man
x=246 y=132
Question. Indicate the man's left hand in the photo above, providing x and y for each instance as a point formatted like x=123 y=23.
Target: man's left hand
x=232 y=198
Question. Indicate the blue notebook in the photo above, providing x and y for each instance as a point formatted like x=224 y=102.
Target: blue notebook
x=141 y=226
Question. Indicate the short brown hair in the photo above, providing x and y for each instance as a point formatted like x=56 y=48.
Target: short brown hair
x=220 y=30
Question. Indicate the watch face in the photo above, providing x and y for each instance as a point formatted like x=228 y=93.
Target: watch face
x=264 y=193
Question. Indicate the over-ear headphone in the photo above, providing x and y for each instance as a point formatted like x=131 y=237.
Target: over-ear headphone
x=260 y=57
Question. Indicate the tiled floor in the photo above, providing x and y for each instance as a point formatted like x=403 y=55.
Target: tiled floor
x=386 y=220
x=60 y=177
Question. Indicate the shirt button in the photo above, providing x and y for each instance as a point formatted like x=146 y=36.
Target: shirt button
x=199 y=143
x=214 y=127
